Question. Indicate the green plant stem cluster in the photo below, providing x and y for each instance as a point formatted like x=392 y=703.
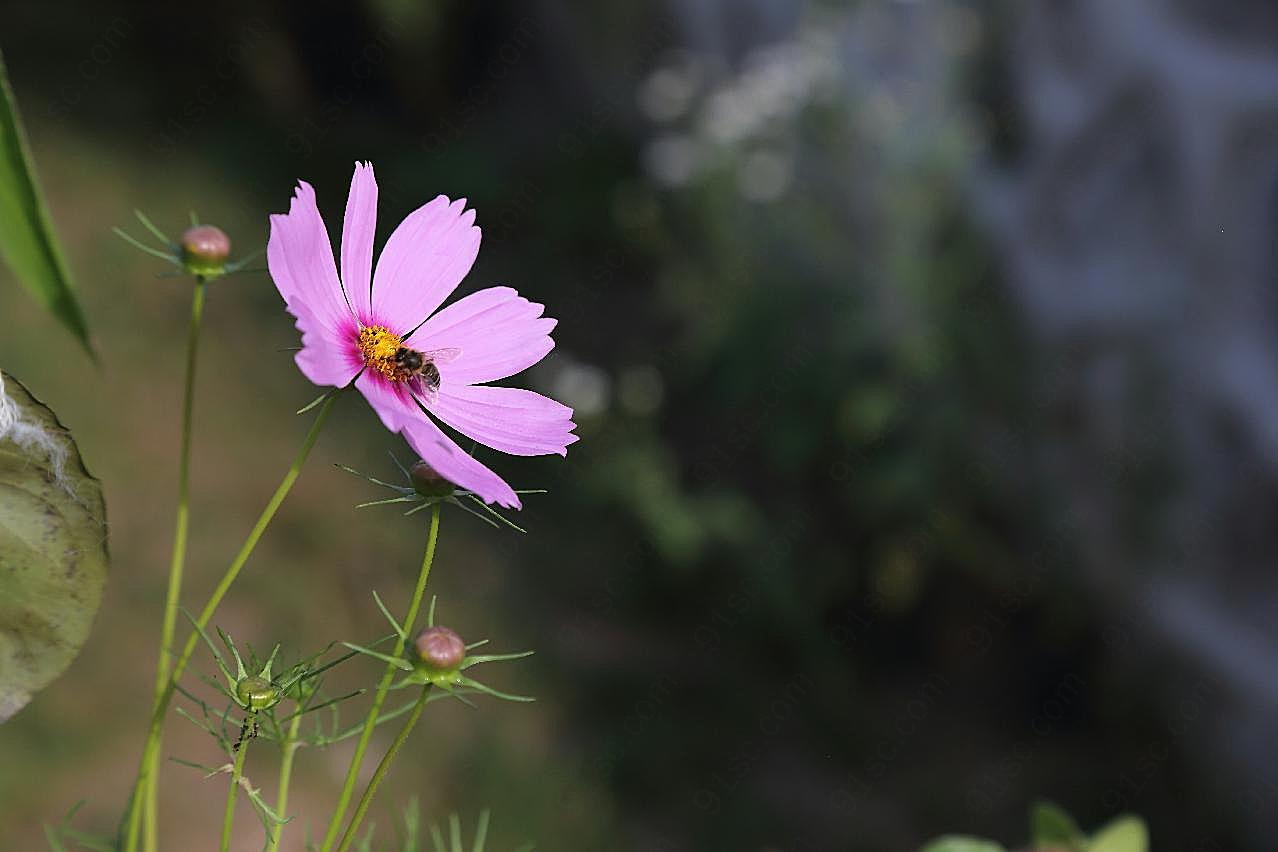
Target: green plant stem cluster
x=140 y=815
x=383 y=686
x=151 y=748
x=178 y=561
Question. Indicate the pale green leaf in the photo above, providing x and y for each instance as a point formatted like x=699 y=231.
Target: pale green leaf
x=1125 y=834
x=53 y=553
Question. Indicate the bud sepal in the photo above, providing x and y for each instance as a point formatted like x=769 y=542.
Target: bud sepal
x=202 y=251
x=424 y=487
x=261 y=691
x=437 y=656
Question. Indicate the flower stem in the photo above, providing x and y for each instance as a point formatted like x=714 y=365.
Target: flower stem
x=228 y=816
x=178 y=561
x=371 y=790
x=286 y=774
x=370 y=722
x=155 y=732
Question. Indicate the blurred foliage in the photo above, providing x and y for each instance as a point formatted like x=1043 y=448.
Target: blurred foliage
x=1053 y=830
x=410 y=838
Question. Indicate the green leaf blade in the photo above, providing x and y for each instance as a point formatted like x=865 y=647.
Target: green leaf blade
x=27 y=240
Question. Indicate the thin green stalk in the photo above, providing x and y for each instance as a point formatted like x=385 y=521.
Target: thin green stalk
x=371 y=790
x=237 y=771
x=286 y=775
x=370 y=722
x=154 y=733
x=178 y=561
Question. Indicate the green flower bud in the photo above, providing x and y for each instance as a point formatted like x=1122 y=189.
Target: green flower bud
x=428 y=483
x=205 y=250
x=256 y=693
x=439 y=649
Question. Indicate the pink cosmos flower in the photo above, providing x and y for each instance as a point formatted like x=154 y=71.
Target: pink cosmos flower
x=384 y=329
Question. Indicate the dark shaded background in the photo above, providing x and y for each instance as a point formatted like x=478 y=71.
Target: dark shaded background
x=926 y=375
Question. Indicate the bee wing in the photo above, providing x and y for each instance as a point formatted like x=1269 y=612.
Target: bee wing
x=442 y=356
x=427 y=393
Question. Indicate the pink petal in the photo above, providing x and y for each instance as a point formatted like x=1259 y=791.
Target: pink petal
x=326 y=361
x=424 y=260
x=301 y=263
x=391 y=400
x=301 y=260
x=498 y=332
x=358 y=230
x=513 y=420
x=399 y=413
x=452 y=463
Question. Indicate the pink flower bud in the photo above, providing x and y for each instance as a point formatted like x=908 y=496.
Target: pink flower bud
x=205 y=249
x=440 y=649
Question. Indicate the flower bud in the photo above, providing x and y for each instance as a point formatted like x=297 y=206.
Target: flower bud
x=440 y=649
x=205 y=249
x=256 y=693
x=428 y=483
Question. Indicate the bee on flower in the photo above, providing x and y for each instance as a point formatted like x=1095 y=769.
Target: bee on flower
x=384 y=330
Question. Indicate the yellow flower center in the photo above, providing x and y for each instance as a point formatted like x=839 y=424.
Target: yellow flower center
x=378 y=344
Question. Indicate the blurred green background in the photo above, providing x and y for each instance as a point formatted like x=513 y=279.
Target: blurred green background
x=807 y=582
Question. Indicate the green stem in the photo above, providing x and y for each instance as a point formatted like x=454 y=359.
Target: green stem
x=370 y=722
x=371 y=790
x=237 y=771
x=154 y=733
x=178 y=561
x=286 y=775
